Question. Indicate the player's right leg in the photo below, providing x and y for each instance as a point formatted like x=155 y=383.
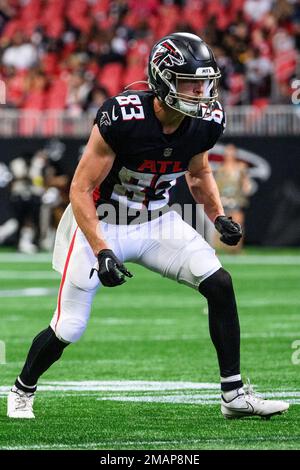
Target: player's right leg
x=45 y=349
x=67 y=326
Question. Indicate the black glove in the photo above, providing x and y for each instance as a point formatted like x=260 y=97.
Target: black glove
x=111 y=271
x=231 y=231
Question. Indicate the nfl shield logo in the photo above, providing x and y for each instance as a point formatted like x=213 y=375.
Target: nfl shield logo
x=168 y=152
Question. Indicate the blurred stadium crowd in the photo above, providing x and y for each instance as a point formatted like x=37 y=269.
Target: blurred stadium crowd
x=71 y=55
x=34 y=192
x=63 y=55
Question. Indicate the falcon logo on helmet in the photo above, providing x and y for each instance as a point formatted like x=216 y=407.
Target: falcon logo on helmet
x=167 y=54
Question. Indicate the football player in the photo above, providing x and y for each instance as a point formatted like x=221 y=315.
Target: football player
x=139 y=144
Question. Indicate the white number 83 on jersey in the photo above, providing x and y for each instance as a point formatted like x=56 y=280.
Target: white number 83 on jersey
x=134 y=112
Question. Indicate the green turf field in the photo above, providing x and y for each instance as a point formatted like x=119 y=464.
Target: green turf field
x=145 y=376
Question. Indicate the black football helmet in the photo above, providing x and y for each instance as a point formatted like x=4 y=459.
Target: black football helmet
x=179 y=57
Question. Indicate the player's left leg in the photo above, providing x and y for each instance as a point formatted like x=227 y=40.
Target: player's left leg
x=236 y=401
x=224 y=326
x=178 y=252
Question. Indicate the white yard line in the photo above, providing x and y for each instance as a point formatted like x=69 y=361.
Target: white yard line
x=21 y=275
x=180 y=400
x=209 y=390
x=138 y=391
x=265 y=302
x=111 y=338
x=120 y=385
x=20 y=258
x=29 y=292
x=99 y=445
x=263 y=259
x=112 y=321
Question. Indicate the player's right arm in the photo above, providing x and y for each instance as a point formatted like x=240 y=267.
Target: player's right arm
x=94 y=166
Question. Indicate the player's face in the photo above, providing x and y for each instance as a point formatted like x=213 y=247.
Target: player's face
x=193 y=95
x=195 y=88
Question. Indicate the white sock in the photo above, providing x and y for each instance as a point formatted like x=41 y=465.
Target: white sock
x=232 y=394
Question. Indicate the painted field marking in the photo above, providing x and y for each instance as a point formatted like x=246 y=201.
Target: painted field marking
x=193 y=393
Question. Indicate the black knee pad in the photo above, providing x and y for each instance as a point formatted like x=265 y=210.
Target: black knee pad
x=218 y=284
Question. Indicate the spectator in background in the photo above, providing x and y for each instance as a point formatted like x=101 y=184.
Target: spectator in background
x=36 y=86
x=256 y=9
x=26 y=205
x=6 y=13
x=296 y=24
x=96 y=98
x=15 y=87
x=235 y=187
x=285 y=62
x=55 y=197
x=38 y=195
x=21 y=54
x=77 y=94
x=8 y=223
x=258 y=73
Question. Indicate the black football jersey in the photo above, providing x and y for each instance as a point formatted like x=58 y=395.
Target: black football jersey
x=148 y=162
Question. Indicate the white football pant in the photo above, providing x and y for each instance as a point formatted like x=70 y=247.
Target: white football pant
x=166 y=245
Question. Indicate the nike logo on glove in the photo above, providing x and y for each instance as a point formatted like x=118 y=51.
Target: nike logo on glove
x=110 y=274
x=106 y=263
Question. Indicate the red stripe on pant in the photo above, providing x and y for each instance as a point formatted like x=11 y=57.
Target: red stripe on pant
x=64 y=276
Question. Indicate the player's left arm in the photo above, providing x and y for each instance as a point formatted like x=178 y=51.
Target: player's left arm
x=204 y=190
x=203 y=186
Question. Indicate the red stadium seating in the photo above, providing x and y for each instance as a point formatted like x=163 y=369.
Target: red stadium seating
x=139 y=24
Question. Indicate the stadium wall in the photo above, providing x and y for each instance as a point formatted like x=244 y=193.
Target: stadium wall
x=273 y=215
